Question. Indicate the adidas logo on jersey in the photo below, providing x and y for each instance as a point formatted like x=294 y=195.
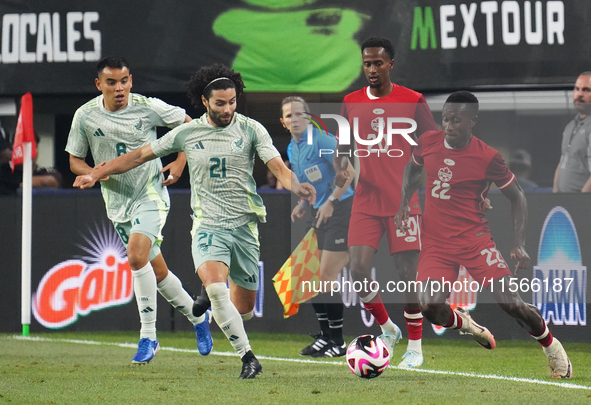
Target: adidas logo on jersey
x=98 y=132
x=199 y=145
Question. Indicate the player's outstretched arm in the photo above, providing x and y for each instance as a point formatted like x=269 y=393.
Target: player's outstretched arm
x=519 y=216
x=289 y=180
x=176 y=169
x=410 y=183
x=177 y=166
x=119 y=165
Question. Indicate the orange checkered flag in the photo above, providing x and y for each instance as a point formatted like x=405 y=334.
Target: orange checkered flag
x=298 y=279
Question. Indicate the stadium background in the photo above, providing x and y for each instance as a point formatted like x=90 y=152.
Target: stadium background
x=522 y=74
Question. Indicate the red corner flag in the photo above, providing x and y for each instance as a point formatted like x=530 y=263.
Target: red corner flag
x=24 y=131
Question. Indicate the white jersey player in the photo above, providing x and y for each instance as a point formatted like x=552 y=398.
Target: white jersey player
x=137 y=202
x=220 y=148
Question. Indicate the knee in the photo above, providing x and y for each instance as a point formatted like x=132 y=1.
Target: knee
x=244 y=306
x=219 y=295
x=359 y=272
x=136 y=261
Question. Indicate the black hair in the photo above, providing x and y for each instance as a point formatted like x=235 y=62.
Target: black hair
x=464 y=97
x=113 y=62
x=202 y=82
x=294 y=99
x=379 y=42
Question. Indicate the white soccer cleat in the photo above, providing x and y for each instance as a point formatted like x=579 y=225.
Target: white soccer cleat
x=558 y=360
x=479 y=333
x=390 y=339
x=411 y=359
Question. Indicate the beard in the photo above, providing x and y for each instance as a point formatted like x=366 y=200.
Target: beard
x=217 y=118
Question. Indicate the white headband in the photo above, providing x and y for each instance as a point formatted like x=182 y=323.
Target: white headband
x=215 y=80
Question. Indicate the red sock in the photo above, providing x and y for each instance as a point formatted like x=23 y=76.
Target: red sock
x=377 y=309
x=414 y=323
x=455 y=321
x=545 y=337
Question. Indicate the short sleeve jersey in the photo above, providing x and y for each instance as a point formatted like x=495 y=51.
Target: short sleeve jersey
x=458 y=181
x=313 y=164
x=109 y=134
x=221 y=162
x=382 y=165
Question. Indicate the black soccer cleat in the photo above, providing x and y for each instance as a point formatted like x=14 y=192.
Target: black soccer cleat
x=202 y=303
x=250 y=367
x=316 y=348
x=334 y=350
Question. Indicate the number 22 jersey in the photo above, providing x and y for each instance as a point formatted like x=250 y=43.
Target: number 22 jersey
x=458 y=181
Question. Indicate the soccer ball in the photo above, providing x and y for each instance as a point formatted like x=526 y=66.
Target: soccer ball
x=368 y=356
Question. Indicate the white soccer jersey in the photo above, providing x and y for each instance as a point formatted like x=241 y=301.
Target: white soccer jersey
x=109 y=134
x=221 y=161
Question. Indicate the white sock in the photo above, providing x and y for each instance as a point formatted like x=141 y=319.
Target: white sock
x=227 y=317
x=144 y=287
x=415 y=345
x=389 y=326
x=172 y=289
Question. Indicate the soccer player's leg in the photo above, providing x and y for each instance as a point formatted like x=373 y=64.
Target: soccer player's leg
x=144 y=286
x=149 y=220
x=331 y=263
x=526 y=315
x=437 y=271
x=365 y=232
x=232 y=254
x=404 y=248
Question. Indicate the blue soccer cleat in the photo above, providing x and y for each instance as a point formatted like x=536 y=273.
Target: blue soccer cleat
x=146 y=350
x=204 y=339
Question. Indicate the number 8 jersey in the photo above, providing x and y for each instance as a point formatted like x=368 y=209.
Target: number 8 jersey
x=109 y=134
x=458 y=181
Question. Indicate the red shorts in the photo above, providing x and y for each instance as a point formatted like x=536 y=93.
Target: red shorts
x=367 y=230
x=483 y=261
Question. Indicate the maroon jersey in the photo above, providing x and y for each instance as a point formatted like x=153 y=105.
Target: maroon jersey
x=457 y=183
x=382 y=165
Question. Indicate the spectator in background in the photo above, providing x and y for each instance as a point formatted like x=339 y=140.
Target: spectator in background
x=5 y=150
x=8 y=183
x=520 y=165
x=272 y=182
x=572 y=174
x=11 y=181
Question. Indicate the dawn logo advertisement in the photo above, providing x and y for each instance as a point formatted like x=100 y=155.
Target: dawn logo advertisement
x=562 y=277
x=76 y=287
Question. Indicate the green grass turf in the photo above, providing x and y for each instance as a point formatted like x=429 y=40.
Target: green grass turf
x=60 y=372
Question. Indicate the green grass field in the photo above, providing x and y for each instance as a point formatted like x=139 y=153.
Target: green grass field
x=95 y=368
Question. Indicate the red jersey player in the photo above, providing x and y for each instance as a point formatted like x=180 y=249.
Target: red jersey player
x=377 y=194
x=460 y=169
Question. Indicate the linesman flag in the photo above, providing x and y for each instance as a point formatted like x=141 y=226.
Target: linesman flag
x=24 y=132
x=298 y=279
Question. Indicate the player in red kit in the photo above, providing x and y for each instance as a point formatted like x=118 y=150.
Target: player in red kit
x=371 y=111
x=460 y=169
